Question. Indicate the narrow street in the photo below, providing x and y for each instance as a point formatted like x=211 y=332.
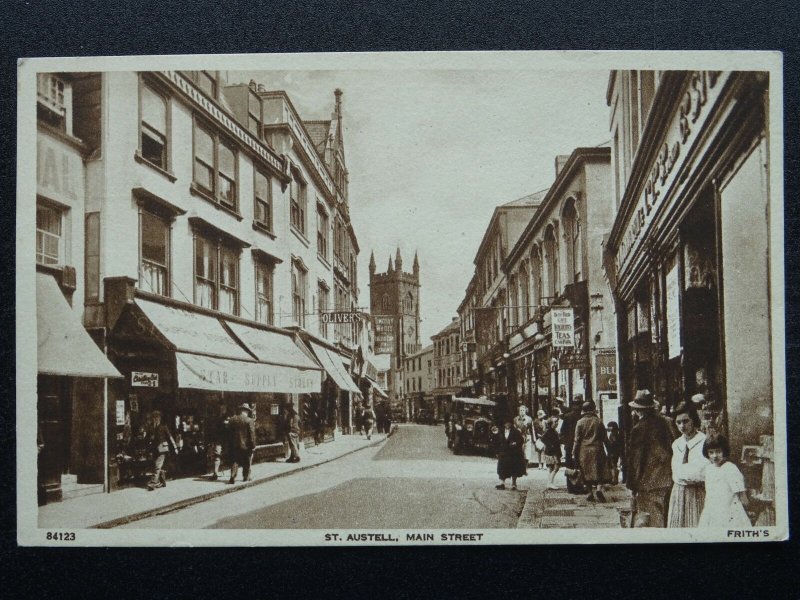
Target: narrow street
x=412 y=481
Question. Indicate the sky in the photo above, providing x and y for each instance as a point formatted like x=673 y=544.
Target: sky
x=431 y=152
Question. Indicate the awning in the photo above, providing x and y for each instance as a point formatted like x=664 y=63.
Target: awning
x=192 y=332
x=332 y=363
x=482 y=401
x=64 y=346
x=196 y=371
x=377 y=388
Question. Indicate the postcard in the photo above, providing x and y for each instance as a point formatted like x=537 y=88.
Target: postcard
x=414 y=298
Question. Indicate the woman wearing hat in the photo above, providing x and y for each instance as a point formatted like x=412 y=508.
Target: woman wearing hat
x=538 y=431
x=589 y=451
x=510 y=456
x=688 y=469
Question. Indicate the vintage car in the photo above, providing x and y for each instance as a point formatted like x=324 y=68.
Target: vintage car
x=470 y=425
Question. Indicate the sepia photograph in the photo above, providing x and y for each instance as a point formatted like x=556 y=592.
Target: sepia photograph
x=415 y=298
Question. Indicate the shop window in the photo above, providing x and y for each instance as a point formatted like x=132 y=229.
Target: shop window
x=215 y=172
x=322 y=299
x=153 y=126
x=49 y=235
x=297 y=202
x=322 y=232
x=263 y=200
x=264 y=276
x=53 y=96
x=216 y=276
x=299 y=294
x=154 y=253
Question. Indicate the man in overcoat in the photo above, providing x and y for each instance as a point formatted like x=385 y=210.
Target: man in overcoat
x=649 y=474
x=242 y=436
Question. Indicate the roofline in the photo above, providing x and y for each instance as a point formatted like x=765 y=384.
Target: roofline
x=579 y=157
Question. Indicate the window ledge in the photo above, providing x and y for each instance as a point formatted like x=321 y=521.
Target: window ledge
x=142 y=160
x=195 y=190
x=297 y=233
x=263 y=229
x=323 y=260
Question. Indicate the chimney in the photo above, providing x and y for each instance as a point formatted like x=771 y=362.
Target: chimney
x=561 y=160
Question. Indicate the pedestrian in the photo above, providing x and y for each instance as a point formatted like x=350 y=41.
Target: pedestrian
x=387 y=426
x=616 y=448
x=163 y=444
x=649 y=471
x=510 y=456
x=292 y=425
x=538 y=431
x=525 y=426
x=358 y=418
x=552 y=450
x=368 y=419
x=726 y=499
x=242 y=441
x=688 y=469
x=589 y=451
x=217 y=434
x=567 y=433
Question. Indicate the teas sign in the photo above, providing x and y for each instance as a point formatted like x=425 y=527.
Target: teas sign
x=563 y=327
x=141 y=379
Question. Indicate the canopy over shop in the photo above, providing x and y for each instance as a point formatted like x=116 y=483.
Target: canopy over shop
x=70 y=392
x=194 y=366
x=336 y=401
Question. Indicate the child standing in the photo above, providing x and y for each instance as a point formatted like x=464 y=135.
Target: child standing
x=552 y=451
x=615 y=448
x=726 y=498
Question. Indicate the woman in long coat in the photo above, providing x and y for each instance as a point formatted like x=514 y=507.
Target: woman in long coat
x=589 y=449
x=510 y=455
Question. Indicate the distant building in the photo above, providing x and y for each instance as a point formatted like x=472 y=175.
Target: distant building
x=418 y=381
x=447 y=365
x=394 y=305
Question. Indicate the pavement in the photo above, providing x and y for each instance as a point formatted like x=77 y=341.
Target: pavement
x=558 y=509
x=127 y=505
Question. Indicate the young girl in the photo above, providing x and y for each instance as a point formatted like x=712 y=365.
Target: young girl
x=552 y=451
x=726 y=498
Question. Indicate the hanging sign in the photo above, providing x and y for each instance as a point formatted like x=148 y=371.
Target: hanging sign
x=142 y=379
x=563 y=328
x=606 y=370
x=120 y=412
x=673 y=313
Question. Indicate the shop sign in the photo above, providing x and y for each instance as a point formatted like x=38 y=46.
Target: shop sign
x=563 y=327
x=703 y=89
x=606 y=370
x=143 y=379
x=384 y=334
x=673 y=313
x=58 y=170
x=120 y=412
x=339 y=317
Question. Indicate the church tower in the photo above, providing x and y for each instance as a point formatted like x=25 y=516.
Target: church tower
x=394 y=304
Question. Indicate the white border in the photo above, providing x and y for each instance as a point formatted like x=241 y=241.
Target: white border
x=28 y=531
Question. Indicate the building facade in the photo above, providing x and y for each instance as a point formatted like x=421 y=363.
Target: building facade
x=688 y=256
x=394 y=305
x=447 y=365
x=487 y=299
x=208 y=232
x=560 y=337
x=418 y=382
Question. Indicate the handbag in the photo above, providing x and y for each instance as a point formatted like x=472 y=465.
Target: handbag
x=539 y=445
x=163 y=447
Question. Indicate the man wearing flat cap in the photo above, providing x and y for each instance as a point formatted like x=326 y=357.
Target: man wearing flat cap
x=649 y=474
x=242 y=432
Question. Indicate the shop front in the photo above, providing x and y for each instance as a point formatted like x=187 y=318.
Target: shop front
x=338 y=402
x=71 y=396
x=196 y=367
x=689 y=263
